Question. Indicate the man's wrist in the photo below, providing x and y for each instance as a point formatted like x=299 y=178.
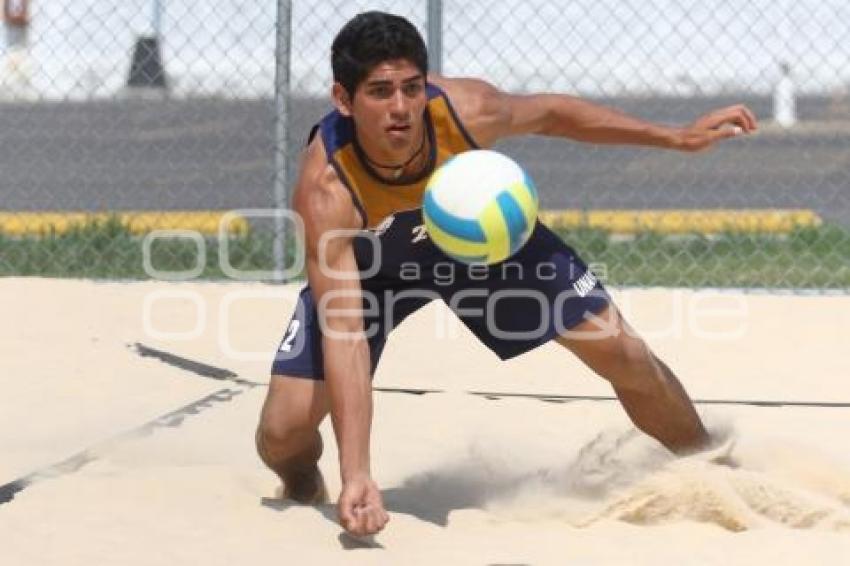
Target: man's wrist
x=355 y=476
x=355 y=471
x=671 y=138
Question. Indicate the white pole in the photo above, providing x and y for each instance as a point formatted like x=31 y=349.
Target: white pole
x=784 y=102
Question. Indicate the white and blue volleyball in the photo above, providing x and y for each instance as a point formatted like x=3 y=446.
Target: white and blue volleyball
x=480 y=207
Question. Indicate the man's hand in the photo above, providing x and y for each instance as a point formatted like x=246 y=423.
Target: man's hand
x=360 y=507
x=715 y=126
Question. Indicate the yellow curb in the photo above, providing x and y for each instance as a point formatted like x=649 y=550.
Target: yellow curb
x=763 y=221
x=766 y=221
x=43 y=223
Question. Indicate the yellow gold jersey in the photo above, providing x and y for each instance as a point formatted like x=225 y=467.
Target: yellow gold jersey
x=378 y=198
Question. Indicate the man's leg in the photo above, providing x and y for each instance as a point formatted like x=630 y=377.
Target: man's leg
x=653 y=398
x=288 y=438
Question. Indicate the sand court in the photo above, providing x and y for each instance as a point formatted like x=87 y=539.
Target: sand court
x=535 y=467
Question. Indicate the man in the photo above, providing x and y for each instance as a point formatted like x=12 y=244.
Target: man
x=365 y=167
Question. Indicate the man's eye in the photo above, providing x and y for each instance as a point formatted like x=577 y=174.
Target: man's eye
x=412 y=89
x=380 y=92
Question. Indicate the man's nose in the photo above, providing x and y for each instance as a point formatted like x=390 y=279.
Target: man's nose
x=398 y=104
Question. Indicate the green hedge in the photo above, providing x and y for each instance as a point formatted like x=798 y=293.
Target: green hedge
x=806 y=258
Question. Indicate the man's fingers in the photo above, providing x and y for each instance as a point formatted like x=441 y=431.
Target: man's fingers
x=730 y=117
x=741 y=121
x=751 y=119
x=739 y=116
x=350 y=514
x=348 y=519
x=729 y=131
x=361 y=513
x=747 y=118
x=352 y=521
x=375 y=519
x=368 y=520
x=382 y=517
x=372 y=521
x=367 y=523
x=744 y=118
x=719 y=125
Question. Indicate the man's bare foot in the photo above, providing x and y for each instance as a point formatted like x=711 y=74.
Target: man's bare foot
x=306 y=488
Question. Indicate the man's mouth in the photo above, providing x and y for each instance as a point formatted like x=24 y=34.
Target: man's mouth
x=399 y=128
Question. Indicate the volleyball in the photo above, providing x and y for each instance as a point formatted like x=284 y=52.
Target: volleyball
x=480 y=206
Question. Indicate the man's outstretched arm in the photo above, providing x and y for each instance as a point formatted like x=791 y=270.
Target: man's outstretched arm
x=492 y=115
x=329 y=221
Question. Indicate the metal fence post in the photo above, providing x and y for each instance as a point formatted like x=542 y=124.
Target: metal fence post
x=435 y=36
x=283 y=136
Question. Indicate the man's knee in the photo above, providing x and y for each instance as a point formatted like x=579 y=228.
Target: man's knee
x=278 y=440
x=628 y=362
x=290 y=418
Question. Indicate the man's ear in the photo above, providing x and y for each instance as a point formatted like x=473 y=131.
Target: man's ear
x=341 y=99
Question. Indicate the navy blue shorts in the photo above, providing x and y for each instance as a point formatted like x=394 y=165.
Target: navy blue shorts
x=511 y=307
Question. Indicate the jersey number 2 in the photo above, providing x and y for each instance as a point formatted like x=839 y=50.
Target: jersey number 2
x=289 y=337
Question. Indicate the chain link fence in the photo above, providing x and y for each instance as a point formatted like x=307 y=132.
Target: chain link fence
x=181 y=110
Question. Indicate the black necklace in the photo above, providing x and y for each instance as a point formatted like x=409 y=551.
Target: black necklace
x=397 y=169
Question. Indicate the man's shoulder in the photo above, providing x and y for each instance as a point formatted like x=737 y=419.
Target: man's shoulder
x=464 y=92
x=335 y=131
x=317 y=177
x=320 y=194
x=478 y=104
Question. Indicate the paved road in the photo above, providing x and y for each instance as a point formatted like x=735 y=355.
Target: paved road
x=213 y=154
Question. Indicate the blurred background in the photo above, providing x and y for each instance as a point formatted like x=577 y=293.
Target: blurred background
x=121 y=118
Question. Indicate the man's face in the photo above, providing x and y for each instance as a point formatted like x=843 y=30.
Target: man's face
x=388 y=108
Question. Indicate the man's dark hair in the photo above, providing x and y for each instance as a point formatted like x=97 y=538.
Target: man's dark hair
x=370 y=38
